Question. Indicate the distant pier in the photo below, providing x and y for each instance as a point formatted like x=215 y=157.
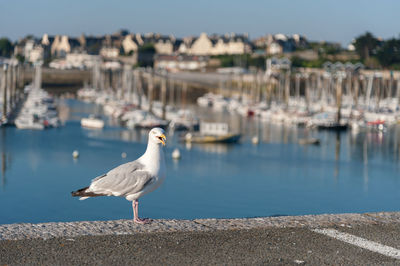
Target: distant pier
x=71 y=79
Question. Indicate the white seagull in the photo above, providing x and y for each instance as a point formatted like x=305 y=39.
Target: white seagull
x=134 y=179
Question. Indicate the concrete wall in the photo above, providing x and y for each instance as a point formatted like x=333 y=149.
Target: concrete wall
x=61 y=78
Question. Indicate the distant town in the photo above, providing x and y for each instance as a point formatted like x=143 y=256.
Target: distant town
x=196 y=53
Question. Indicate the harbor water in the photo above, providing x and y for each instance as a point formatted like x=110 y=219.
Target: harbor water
x=347 y=172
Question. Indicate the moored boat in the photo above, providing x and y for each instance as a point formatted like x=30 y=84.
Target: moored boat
x=212 y=133
x=29 y=122
x=92 y=122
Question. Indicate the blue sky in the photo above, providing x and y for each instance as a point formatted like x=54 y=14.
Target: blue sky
x=335 y=20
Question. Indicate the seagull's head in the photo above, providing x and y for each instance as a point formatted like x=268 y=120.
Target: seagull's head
x=157 y=135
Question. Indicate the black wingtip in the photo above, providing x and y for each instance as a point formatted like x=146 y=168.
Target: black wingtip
x=82 y=193
x=79 y=192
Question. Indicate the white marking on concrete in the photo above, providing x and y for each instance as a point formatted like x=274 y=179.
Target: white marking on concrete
x=361 y=242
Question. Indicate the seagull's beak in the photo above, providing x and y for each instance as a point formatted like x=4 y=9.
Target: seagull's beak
x=162 y=138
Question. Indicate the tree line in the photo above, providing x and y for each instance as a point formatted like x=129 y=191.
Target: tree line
x=6 y=47
x=378 y=53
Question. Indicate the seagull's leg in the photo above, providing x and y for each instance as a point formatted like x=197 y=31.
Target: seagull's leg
x=136 y=219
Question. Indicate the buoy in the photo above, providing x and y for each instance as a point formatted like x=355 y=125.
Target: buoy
x=176 y=154
x=188 y=137
x=254 y=140
x=123 y=155
x=188 y=145
x=75 y=154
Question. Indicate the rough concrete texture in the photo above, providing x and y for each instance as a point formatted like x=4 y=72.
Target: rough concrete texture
x=273 y=241
x=262 y=246
x=127 y=227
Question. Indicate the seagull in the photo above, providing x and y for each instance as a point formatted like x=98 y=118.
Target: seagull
x=134 y=179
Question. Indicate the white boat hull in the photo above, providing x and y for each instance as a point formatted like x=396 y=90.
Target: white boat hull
x=29 y=125
x=92 y=123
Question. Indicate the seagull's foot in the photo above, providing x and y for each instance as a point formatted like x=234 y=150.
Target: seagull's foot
x=142 y=221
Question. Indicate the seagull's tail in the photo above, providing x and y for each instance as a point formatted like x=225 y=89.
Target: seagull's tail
x=84 y=193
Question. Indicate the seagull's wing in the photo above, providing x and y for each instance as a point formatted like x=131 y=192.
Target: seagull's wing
x=123 y=180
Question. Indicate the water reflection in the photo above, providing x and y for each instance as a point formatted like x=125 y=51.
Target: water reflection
x=369 y=145
x=5 y=157
x=337 y=155
x=218 y=148
x=129 y=135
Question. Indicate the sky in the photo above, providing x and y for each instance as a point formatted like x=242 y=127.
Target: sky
x=319 y=20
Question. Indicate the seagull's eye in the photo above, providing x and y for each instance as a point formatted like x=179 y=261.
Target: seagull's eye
x=160 y=138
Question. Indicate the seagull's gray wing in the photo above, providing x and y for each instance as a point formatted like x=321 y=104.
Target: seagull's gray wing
x=123 y=180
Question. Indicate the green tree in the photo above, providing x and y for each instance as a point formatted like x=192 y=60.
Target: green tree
x=146 y=55
x=297 y=61
x=326 y=48
x=20 y=58
x=389 y=54
x=5 y=47
x=365 y=45
x=147 y=48
x=243 y=60
x=94 y=48
x=258 y=62
x=227 y=61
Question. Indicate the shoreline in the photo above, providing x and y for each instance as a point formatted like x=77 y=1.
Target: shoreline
x=21 y=231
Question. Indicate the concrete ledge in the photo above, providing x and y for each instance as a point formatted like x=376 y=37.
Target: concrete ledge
x=127 y=227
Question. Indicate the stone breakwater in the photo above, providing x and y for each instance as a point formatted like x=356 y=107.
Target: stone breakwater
x=127 y=227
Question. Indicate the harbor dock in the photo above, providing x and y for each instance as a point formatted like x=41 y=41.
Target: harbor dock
x=330 y=239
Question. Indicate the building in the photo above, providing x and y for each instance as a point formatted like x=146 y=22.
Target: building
x=276 y=64
x=36 y=54
x=129 y=45
x=185 y=44
x=60 y=46
x=274 y=48
x=231 y=44
x=180 y=62
x=216 y=45
x=29 y=44
x=19 y=49
x=281 y=43
x=76 y=60
x=81 y=60
x=33 y=51
x=202 y=45
x=164 y=45
x=109 y=52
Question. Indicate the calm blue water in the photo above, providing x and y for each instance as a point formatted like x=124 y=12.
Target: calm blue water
x=346 y=173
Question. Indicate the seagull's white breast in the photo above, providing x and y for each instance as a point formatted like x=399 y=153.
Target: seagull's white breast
x=154 y=163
